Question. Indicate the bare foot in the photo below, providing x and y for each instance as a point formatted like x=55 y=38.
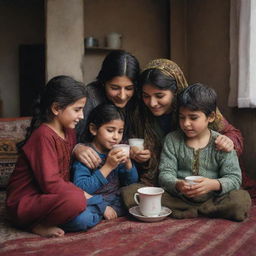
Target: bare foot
x=48 y=231
x=110 y=213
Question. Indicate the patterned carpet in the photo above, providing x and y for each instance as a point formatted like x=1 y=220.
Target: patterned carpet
x=129 y=237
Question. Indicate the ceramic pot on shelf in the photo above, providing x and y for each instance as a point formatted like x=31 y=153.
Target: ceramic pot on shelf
x=91 y=42
x=113 y=40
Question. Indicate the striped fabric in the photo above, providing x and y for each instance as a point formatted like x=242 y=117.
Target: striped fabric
x=127 y=236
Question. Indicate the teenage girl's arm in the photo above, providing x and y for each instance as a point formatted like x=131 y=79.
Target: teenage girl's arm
x=87 y=155
x=140 y=156
x=230 y=138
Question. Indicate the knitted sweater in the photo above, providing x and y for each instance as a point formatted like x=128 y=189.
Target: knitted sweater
x=179 y=160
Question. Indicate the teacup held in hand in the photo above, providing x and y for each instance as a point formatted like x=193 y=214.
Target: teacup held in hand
x=136 y=142
x=124 y=147
x=192 y=179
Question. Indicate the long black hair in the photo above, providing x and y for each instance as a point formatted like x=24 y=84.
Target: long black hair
x=161 y=81
x=147 y=123
x=101 y=115
x=156 y=77
x=61 y=90
x=119 y=63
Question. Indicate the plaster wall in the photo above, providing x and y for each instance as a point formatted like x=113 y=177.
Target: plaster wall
x=64 y=38
x=144 y=26
x=21 y=22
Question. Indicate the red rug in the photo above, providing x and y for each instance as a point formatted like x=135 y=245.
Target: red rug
x=127 y=236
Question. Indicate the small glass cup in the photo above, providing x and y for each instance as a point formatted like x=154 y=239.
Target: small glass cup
x=192 y=179
x=124 y=147
x=137 y=142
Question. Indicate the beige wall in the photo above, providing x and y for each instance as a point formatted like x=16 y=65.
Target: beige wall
x=21 y=22
x=207 y=50
x=144 y=26
x=64 y=38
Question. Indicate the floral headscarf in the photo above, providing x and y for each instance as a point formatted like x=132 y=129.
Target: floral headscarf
x=170 y=68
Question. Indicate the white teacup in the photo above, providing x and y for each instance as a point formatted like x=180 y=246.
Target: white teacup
x=192 y=179
x=149 y=200
x=137 y=142
x=124 y=147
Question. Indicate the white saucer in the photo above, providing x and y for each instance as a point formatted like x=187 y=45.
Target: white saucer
x=135 y=211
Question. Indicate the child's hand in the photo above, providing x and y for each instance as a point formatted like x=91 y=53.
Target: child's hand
x=182 y=186
x=128 y=163
x=115 y=157
x=140 y=156
x=110 y=213
x=204 y=186
x=86 y=195
x=224 y=143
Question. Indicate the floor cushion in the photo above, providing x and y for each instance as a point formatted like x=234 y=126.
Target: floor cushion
x=12 y=131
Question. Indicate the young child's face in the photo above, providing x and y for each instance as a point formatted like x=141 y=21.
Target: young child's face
x=71 y=115
x=108 y=134
x=194 y=123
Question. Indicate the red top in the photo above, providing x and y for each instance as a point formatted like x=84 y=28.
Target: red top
x=42 y=168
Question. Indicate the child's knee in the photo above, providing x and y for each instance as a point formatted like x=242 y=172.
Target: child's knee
x=241 y=204
x=72 y=203
x=88 y=218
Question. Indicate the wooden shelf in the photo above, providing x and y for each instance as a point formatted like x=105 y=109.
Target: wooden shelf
x=100 y=49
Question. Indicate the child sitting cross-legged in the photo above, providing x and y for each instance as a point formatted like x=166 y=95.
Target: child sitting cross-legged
x=105 y=129
x=191 y=151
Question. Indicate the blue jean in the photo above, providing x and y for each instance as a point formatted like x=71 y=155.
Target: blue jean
x=90 y=217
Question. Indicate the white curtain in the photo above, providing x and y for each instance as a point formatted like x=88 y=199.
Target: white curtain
x=242 y=54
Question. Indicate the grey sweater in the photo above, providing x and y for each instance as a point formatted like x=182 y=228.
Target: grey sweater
x=179 y=160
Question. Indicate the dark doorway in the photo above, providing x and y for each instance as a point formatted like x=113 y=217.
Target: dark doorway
x=32 y=76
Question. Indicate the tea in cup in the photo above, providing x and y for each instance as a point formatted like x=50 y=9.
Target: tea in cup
x=137 y=142
x=192 y=179
x=149 y=200
x=124 y=147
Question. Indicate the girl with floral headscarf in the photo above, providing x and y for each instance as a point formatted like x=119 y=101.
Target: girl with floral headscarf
x=159 y=84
